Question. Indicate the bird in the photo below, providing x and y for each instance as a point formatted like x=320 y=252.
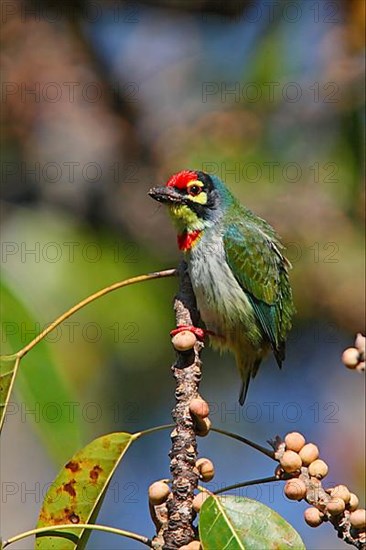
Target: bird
x=238 y=272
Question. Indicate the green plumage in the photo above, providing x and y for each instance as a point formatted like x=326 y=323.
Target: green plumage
x=261 y=270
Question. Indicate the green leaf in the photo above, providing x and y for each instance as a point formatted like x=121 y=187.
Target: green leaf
x=77 y=493
x=44 y=394
x=238 y=523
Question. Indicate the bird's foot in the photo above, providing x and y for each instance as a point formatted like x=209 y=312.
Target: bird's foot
x=198 y=332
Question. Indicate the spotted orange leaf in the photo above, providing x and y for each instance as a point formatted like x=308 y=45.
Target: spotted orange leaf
x=78 y=491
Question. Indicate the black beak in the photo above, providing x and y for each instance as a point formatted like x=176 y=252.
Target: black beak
x=166 y=195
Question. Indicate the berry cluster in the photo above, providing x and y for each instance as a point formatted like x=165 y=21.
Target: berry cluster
x=354 y=358
x=303 y=470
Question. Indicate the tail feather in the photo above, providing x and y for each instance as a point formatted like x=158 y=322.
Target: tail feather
x=244 y=390
x=247 y=371
x=279 y=352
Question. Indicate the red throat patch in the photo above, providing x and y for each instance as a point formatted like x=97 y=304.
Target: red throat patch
x=181 y=180
x=187 y=240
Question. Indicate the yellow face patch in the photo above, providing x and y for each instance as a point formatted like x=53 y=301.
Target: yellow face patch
x=200 y=199
x=194 y=194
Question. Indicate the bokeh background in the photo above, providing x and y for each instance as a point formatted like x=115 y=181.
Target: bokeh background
x=102 y=100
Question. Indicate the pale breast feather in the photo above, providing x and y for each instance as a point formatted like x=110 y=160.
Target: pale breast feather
x=222 y=303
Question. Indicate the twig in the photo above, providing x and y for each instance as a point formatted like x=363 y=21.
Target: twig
x=92 y=527
x=6 y=390
x=91 y=298
x=248 y=442
x=258 y=481
x=179 y=529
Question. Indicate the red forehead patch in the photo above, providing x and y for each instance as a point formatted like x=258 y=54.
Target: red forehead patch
x=181 y=179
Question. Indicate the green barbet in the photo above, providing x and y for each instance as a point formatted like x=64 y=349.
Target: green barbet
x=238 y=272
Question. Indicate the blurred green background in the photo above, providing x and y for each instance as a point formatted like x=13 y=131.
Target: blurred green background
x=102 y=100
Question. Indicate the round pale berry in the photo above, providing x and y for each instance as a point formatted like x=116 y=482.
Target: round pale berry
x=360 y=343
x=194 y=545
x=294 y=441
x=353 y=502
x=361 y=367
x=184 y=340
x=341 y=491
x=313 y=516
x=158 y=492
x=351 y=358
x=203 y=426
x=335 y=506
x=198 y=500
x=318 y=469
x=290 y=461
x=358 y=518
x=309 y=453
x=295 y=489
x=199 y=407
x=205 y=468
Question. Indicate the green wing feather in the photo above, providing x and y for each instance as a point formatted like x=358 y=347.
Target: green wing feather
x=253 y=253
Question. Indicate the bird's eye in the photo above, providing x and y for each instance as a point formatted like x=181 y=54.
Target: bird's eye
x=194 y=190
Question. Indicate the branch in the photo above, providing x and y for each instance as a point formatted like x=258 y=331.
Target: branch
x=178 y=529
